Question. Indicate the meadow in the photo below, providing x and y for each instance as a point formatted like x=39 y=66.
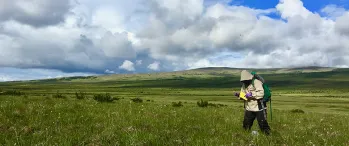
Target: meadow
x=309 y=107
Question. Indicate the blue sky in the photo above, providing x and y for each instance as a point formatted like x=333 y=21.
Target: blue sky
x=311 y=5
x=87 y=37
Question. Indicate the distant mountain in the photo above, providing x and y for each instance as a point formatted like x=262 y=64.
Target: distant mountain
x=192 y=73
x=291 y=68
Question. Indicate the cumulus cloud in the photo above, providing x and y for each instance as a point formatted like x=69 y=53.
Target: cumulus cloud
x=213 y=2
x=247 y=30
x=292 y=8
x=199 y=34
x=52 y=47
x=154 y=66
x=333 y=11
x=15 y=74
x=127 y=65
x=341 y=24
x=117 y=45
x=107 y=17
x=68 y=47
x=138 y=62
x=36 y=13
x=342 y=66
x=93 y=36
x=109 y=71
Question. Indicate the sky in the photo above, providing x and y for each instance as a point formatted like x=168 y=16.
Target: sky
x=42 y=39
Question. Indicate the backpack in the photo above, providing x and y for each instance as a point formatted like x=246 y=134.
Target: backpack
x=267 y=91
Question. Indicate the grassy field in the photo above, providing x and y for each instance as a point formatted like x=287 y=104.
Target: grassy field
x=310 y=107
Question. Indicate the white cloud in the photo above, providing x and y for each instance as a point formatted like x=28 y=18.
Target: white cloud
x=109 y=71
x=108 y=18
x=154 y=66
x=6 y=78
x=242 y=29
x=342 y=66
x=127 y=65
x=292 y=8
x=341 y=25
x=95 y=35
x=117 y=45
x=38 y=13
x=213 y=2
x=333 y=11
x=15 y=74
x=138 y=62
x=201 y=63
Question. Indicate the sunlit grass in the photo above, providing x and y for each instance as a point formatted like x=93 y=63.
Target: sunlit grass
x=305 y=112
x=50 y=121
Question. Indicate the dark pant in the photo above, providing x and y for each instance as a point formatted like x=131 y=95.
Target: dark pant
x=261 y=118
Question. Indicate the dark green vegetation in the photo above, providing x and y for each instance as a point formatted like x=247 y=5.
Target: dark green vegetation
x=310 y=107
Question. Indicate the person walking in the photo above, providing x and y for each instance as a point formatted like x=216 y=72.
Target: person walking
x=254 y=106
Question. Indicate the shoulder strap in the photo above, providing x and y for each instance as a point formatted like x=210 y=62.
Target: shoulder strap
x=254 y=77
x=253 y=81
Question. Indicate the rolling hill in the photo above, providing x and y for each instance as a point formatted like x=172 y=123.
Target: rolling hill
x=283 y=79
x=198 y=73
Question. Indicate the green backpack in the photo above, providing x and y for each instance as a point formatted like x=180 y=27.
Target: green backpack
x=267 y=91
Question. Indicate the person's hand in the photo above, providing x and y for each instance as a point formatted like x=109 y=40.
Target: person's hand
x=237 y=94
x=248 y=95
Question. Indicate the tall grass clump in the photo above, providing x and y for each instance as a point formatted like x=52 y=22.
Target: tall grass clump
x=59 y=95
x=80 y=95
x=104 y=97
x=137 y=100
x=216 y=105
x=297 y=111
x=12 y=93
x=202 y=103
x=177 y=104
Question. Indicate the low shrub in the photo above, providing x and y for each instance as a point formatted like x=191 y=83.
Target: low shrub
x=177 y=104
x=59 y=95
x=137 y=100
x=297 y=111
x=216 y=105
x=116 y=98
x=212 y=104
x=104 y=97
x=80 y=95
x=12 y=92
x=202 y=103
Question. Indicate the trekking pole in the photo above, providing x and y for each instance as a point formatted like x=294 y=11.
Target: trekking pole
x=271 y=112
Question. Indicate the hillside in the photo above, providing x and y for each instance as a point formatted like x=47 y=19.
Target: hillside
x=196 y=73
x=305 y=79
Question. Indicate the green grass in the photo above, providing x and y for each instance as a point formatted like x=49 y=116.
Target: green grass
x=35 y=117
x=50 y=121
